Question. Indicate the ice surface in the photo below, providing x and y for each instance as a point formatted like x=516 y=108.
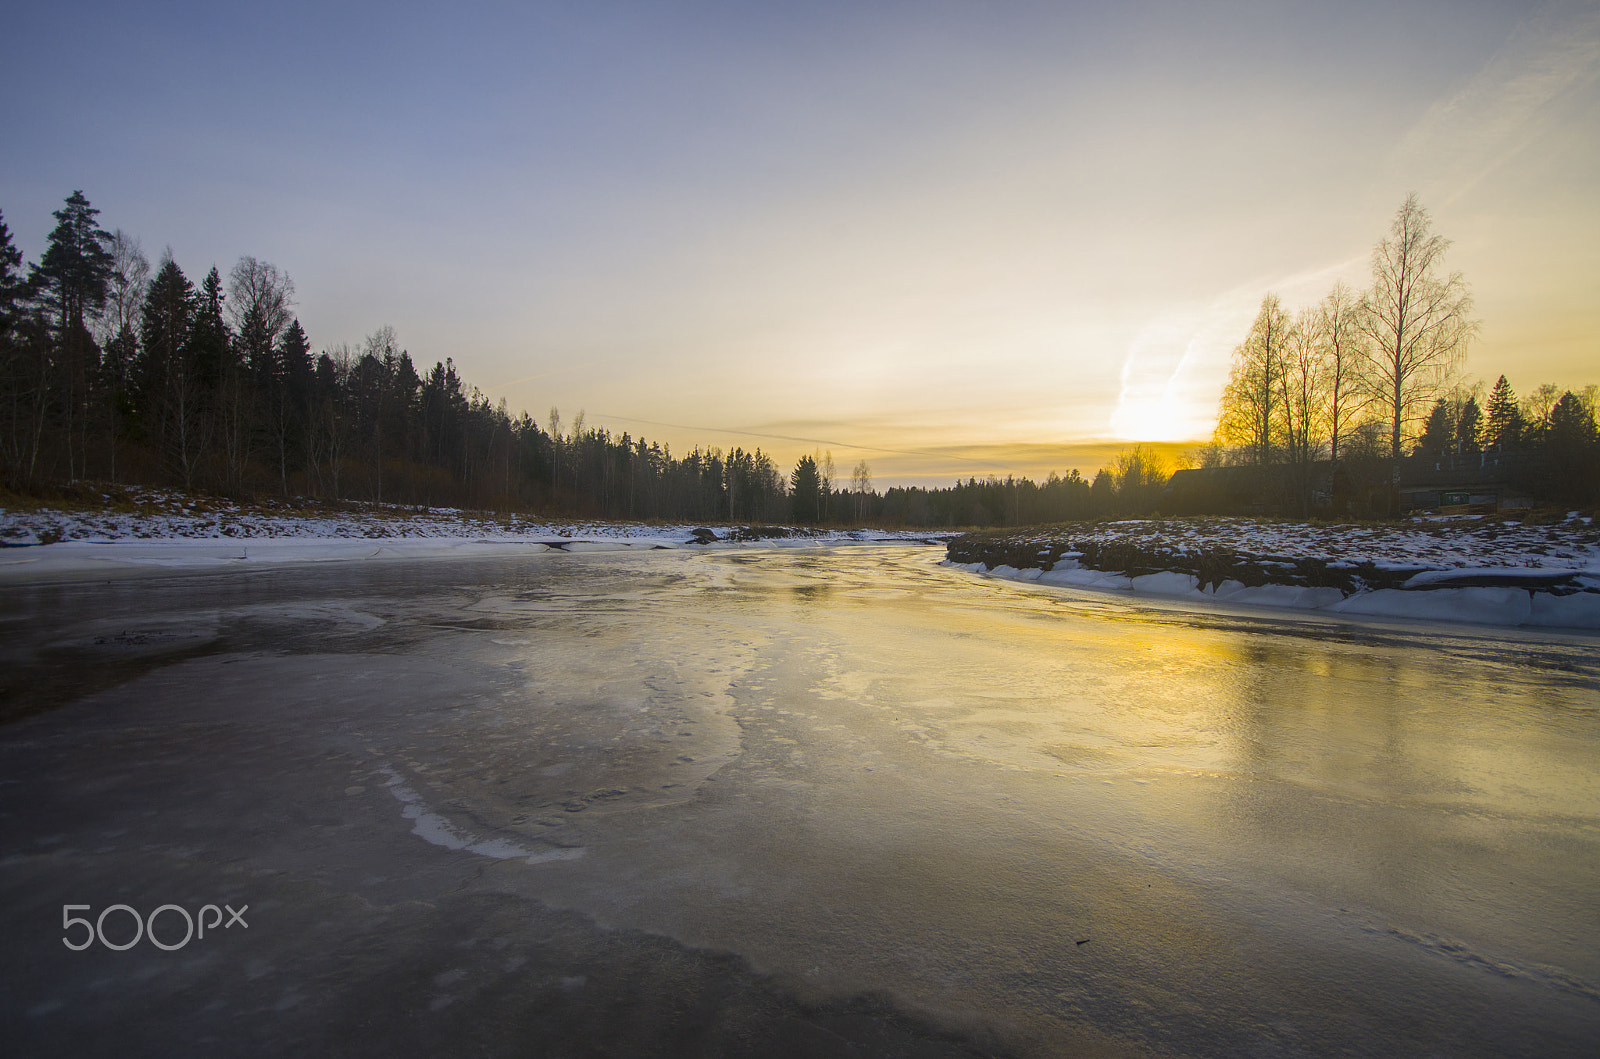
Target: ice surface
x=851 y=770
x=95 y=544
x=433 y=828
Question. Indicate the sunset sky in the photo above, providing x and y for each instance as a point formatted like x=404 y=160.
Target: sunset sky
x=952 y=238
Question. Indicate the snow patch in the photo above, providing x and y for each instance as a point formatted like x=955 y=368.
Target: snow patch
x=433 y=828
x=1467 y=568
x=1579 y=610
x=1507 y=606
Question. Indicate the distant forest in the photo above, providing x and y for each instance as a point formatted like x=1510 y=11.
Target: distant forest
x=114 y=371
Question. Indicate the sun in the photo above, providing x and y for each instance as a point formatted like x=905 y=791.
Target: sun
x=1160 y=418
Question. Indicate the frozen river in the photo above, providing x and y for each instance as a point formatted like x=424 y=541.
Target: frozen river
x=788 y=801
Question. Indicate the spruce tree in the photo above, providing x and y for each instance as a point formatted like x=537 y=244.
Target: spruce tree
x=1572 y=457
x=1572 y=426
x=294 y=354
x=290 y=394
x=1439 y=434
x=210 y=342
x=805 y=491
x=170 y=390
x=1469 y=427
x=1505 y=426
x=166 y=320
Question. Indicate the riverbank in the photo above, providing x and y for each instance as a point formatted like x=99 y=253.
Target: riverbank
x=1481 y=570
x=130 y=530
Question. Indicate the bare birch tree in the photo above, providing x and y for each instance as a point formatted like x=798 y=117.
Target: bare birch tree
x=1418 y=324
x=861 y=485
x=1537 y=405
x=117 y=330
x=1304 y=388
x=260 y=305
x=125 y=288
x=825 y=475
x=1339 y=332
x=1306 y=394
x=1251 y=410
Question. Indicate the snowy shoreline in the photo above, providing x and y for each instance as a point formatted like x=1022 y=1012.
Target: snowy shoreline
x=175 y=533
x=1474 y=571
x=90 y=559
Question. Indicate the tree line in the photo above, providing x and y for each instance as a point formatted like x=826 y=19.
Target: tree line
x=113 y=370
x=1359 y=381
x=117 y=371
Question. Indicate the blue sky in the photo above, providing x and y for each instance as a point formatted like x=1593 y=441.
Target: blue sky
x=996 y=235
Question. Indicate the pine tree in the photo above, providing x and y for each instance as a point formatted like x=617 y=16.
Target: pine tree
x=70 y=281
x=72 y=275
x=1505 y=426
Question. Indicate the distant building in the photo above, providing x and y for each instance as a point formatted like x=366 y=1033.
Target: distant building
x=1444 y=483
x=1243 y=489
x=1460 y=484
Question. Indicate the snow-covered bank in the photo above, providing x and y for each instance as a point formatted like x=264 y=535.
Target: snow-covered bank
x=168 y=530
x=1480 y=571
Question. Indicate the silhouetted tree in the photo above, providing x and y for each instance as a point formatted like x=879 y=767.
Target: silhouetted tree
x=1139 y=475
x=805 y=491
x=1571 y=452
x=1536 y=409
x=70 y=281
x=861 y=486
x=1341 y=341
x=289 y=394
x=1418 y=323
x=169 y=381
x=1469 y=428
x=21 y=368
x=1438 y=437
x=118 y=335
x=1505 y=427
x=1252 y=401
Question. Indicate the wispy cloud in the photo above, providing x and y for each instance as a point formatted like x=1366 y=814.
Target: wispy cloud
x=1552 y=56
x=768 y=434
x=1174 y=366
